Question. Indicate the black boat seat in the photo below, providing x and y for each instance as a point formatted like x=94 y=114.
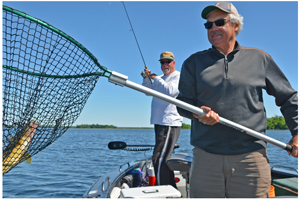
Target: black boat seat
x=180 y=162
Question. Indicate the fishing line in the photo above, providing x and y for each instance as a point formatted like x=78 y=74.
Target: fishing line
x=134 y=33
x=106 y=19
x=136 y=40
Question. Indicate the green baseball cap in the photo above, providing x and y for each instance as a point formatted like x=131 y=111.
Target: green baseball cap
x=166 y=55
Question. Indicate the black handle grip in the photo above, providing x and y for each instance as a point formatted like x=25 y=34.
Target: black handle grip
x=289 y=148
x=117 y=145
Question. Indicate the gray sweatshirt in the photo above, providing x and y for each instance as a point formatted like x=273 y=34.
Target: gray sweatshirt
x=232 y=87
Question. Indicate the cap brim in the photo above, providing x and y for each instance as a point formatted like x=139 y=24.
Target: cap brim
x=166 y=58
x=207 y=10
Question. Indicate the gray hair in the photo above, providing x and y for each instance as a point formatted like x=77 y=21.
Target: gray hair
x=239 y=20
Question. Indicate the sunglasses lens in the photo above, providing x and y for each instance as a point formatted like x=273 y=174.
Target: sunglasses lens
x=165 y=62
x=220 y=22
x=208 y=25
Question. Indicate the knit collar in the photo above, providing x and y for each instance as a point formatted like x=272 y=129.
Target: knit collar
x=237 y=47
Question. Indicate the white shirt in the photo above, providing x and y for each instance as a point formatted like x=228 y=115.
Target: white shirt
x=164 y=113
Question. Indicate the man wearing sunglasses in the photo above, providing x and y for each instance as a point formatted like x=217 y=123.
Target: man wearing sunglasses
x=228 y=79
x=164 y=116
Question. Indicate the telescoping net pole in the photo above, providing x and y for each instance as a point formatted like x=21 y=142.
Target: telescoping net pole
x=47 y=79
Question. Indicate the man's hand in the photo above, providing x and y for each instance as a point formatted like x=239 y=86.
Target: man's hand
x=294 y=143
x=210 y=118
x=148 y=73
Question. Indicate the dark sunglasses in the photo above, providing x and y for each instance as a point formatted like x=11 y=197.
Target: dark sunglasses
x=219 y=22
x=165 y=62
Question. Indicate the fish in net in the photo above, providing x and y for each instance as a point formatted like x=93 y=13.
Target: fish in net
x=47 y=78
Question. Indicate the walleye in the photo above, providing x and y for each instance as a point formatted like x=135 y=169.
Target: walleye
x=20 y=148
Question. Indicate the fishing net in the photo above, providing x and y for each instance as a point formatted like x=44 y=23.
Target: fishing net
x=47 y=79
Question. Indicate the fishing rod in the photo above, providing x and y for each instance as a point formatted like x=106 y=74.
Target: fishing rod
x=136 y=40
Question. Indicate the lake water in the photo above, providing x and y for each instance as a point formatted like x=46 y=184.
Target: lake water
x=68 y=167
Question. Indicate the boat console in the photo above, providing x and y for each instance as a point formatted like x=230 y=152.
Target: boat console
x=181 y=162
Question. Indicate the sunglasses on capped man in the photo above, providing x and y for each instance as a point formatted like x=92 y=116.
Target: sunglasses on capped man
x=165 y=62
x=220 y=22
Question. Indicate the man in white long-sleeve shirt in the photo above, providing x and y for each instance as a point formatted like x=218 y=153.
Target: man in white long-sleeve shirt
x=164 y=116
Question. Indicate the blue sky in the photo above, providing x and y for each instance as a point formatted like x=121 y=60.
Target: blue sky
x=176 y=26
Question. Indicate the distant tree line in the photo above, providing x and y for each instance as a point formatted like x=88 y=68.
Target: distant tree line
x=185 y=126
x=96 y=126
x=274 y=123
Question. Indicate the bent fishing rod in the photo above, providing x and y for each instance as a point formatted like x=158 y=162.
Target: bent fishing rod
x=136 y=40
x=121 y=80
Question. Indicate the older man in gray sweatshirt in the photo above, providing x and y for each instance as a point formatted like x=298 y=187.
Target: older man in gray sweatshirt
x=228 y=80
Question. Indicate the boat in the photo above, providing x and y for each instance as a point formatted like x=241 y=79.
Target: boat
x=135 y=179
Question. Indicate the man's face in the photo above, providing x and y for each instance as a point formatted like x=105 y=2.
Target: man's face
x=167 y=66
x=221 y=36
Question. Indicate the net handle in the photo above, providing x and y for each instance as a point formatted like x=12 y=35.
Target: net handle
x=121 y=80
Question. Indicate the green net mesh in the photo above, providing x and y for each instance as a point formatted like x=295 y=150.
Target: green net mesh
x=47 y=79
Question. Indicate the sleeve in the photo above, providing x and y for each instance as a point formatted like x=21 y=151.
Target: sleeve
x=187 y=89
x=147 y=83
x=169 y=88
x=286 y=97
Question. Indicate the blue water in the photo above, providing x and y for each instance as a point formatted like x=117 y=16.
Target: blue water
x=68 y=167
